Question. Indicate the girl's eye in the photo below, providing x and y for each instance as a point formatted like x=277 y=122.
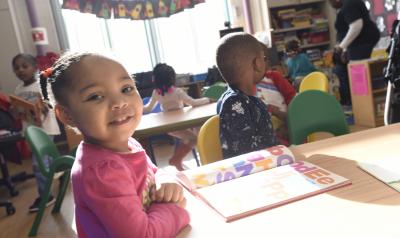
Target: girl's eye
x=128 y=89
x=94 y=97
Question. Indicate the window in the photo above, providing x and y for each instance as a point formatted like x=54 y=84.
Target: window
x=121 y=38
x=186 y=40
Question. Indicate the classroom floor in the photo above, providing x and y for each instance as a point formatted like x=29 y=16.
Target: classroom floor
x=62 y=224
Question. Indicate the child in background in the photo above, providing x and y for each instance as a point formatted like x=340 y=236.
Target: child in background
x=245 y=124
x=25 y=68
x=276 y=92
x=173 y=98
x=118 y=192
x=299 y=65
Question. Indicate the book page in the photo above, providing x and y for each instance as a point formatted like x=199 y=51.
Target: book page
x=29 y=112
x=386 y=170
x=268 y=189
x=236 y=167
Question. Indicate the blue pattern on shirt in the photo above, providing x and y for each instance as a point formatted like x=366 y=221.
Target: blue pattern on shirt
x=245 y=123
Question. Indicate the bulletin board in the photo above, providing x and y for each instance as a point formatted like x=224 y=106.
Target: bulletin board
x=383 y=12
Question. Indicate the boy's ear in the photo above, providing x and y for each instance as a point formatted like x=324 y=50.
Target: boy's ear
x=63 y=115
x=259 y=64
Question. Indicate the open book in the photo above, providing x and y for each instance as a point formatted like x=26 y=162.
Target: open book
x=29 y=112
x=386 y=170
x=257 y=181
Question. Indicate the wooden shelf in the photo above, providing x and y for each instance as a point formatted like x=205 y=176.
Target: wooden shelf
x=312 y=45
x=315 y=45
x=296 y=4
x=379 y=120
x=368 y=103
x=283 y=30
x=380 y=90
x=291 y=29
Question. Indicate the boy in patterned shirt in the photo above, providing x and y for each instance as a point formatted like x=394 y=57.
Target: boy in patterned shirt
x=245 y=123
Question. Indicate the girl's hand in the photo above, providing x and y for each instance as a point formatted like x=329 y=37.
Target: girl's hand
x=168 y=192
x=212 y=100
x=182 y=203
x=273 y=109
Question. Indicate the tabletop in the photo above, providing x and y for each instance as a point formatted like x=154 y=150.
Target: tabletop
x=366 y=208
x=162 y=122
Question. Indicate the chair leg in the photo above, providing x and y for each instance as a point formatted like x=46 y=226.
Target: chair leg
x=196 y=157
x=61 y=193
x=42 y=207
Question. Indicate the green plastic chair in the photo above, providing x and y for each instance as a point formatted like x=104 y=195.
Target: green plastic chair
x=315 y=111
x=215 y=91
x=42 y=145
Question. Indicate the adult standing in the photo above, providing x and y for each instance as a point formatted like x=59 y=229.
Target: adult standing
x=356 y=36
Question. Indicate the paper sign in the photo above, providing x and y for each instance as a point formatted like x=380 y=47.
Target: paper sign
x=359 y=80
x=39 y=36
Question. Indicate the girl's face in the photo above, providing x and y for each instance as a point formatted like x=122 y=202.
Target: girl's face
x=24 y=70
x=336 y=3
x=103 y=103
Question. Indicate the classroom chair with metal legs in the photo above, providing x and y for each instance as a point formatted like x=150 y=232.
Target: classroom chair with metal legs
x=41 y=146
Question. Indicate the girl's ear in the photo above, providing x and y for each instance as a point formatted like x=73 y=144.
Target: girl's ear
x=63 y=115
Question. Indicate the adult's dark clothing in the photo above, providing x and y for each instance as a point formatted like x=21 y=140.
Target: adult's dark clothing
x=361 y=47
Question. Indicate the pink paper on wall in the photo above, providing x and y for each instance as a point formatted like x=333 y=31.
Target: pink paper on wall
x=378 y=7
x=359 y=80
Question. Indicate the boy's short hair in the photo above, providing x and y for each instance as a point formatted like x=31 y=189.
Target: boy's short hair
x=235 y=53
x=292 y=45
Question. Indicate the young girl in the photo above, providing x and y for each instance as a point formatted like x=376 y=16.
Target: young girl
x=299 y=65
x=25 y=68
x=172 y=98
x=118 y=192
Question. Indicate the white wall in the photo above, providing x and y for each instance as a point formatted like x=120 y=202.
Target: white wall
x=16 y=38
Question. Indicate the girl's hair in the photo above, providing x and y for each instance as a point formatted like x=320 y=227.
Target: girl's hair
x=164 y=77
x=60 y=76
x=30 y=58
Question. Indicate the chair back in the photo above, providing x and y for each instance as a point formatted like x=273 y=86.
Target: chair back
x=215 y=91
x=41 y=145
x=208 y=142
x=315 y=111
x=156 y=109
x=315 y=81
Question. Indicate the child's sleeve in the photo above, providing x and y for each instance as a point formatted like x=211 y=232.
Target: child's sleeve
x=110 y=192
x=283 y=85
x=289 y=64
x=151 y=104
x=191 y=101
x=309 y=64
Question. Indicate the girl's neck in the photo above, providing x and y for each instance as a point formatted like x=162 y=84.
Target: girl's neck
x=117 y=147
x=31 y=81
x=169 y=90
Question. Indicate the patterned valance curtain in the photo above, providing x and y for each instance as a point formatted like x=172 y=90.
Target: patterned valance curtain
x=132 y=9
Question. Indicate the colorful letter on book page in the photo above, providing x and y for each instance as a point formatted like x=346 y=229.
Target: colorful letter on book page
x=236 y=167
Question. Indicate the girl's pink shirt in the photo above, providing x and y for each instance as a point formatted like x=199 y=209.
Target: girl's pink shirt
x=111 y=195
